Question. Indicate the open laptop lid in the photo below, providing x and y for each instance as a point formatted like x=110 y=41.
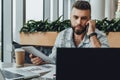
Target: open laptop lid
x=88 y=63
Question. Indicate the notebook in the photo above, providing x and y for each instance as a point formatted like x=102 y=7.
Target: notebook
x=88 y=64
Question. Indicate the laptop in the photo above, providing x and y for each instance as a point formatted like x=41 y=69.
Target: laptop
x=88 y=64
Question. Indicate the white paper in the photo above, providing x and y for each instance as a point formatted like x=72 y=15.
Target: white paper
x=51 y=75
x=32 y=71
x=38 y=69
x=38 y=53
x=25 y=73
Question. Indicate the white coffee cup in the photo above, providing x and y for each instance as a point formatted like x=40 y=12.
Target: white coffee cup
x=20 y=57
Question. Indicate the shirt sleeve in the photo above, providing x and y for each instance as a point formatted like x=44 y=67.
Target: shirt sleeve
x=104 y=41
x=54 y=49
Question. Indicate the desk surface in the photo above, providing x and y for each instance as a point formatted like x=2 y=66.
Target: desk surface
x=9 y=65
x=43 y=77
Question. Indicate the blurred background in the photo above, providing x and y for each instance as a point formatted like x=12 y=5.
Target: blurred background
x=15 y=13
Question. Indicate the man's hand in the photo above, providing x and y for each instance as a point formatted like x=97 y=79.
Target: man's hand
x=91 y=27
x=36 y=60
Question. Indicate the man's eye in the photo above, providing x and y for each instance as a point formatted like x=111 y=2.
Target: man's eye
x=84 y=18
x=75 y=17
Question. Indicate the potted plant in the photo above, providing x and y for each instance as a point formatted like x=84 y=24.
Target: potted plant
x=42 y=32
x=112 y=29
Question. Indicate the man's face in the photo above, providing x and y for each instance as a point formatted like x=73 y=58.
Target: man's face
x=78 y=20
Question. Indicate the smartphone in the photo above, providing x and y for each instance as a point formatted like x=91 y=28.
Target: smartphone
x=87 y=26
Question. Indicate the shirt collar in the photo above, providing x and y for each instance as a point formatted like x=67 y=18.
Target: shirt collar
x=70 y=34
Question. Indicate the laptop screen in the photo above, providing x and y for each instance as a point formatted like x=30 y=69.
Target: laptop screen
x=88 y=63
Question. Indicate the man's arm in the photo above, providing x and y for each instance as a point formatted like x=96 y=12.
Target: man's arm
x=95 y=42
x=97 y=39
x=37 y=60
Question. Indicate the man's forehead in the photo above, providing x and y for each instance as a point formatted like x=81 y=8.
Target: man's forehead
x=79 y=12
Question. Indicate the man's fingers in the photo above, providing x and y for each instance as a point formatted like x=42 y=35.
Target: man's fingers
x=31 y=56
x=36 y=60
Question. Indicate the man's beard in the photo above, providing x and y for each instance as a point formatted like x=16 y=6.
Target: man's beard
x=79 y=32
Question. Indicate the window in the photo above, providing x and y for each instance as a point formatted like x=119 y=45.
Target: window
x=0 y=28
x=6 y=22
x=34 y=9
x=47 y=9
x=17 y=12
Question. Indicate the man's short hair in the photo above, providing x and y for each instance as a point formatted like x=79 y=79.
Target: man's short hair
x=82 y=5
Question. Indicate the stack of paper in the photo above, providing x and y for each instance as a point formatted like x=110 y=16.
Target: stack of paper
x=32 y=71
x=24 y=74
x=50 y=76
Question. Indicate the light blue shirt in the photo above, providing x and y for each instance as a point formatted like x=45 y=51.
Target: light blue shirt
x=65 y=39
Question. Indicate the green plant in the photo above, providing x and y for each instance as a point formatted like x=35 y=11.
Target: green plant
x=106 y=25
x=44 y=26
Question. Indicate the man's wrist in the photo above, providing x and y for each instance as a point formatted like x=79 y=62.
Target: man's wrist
x=92 y=34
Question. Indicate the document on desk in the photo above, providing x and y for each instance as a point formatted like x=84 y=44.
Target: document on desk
x=7 y=75
x=51 y=75
x=31 y=71
x=38 y=69
x=18 y=71
x=38 y=53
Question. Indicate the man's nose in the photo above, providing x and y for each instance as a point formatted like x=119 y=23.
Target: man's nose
x=78 y=21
